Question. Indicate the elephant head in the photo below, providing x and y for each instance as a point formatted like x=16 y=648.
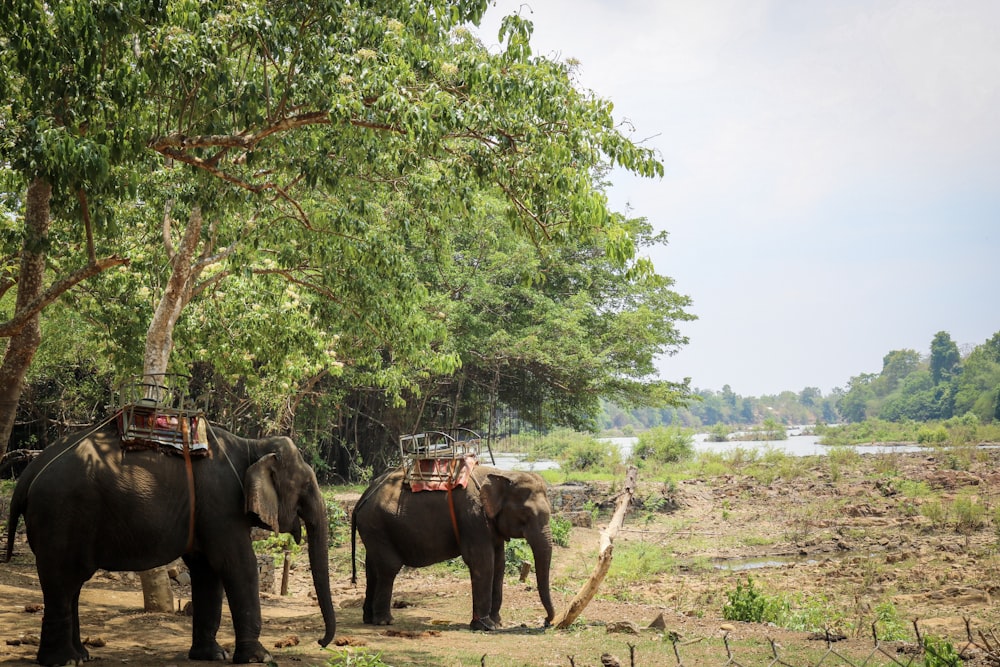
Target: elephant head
x=282 y=492
x=518 y=505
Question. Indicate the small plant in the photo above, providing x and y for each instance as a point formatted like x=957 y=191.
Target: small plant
x=936 y=512
x=355 y=658
x=748 y=604
x=561 y=527
x=593 y=509
x=888 y=624
x=940 y=653
x=970 y=515
x=516 y=551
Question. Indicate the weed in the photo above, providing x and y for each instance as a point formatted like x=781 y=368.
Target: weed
x=888 y=623
x=354 y=658
x=940 y=653
x=748 y=604
x=561 y=527
x=936 y=511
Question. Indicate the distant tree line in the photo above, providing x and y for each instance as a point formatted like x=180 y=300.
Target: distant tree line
x=910 y=387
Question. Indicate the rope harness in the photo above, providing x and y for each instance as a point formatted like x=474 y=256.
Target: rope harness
x=189 y=469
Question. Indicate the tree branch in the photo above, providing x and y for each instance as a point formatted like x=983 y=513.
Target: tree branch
x=12 y=326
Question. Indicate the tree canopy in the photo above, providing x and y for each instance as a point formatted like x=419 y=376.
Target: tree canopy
x=328 y=172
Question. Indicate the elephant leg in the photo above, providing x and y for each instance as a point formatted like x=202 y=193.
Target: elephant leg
x=60 y=642
x=206 y=603
x=499 y=565
x=380 y=576
x=481 y=563
x=77 y=642
x=240 y=580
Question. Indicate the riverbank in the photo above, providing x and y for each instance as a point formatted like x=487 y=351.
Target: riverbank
x=843 y=542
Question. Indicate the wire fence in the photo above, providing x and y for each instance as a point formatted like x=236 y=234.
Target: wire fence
x=979 y=648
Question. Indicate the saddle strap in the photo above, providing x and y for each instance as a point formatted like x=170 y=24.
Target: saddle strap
x=189 y=468
x=454 y=519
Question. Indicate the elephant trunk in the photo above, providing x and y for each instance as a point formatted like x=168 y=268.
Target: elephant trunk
x=318 y=532
x=541 y=548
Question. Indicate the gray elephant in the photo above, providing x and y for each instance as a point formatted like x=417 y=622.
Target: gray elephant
x=400 y=527
x=88 y=504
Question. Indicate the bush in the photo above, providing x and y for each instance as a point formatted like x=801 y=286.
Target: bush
x=664 y=445
x=932 y=435
x=750 y=605
x=589 y=454
x=561 y=527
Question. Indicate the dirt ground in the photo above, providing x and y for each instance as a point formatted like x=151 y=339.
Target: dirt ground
x=845 y=540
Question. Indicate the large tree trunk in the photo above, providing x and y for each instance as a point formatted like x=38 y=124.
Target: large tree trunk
x=22 y=346
x=156 y=592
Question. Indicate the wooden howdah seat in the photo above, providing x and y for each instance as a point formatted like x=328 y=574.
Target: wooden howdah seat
x=159 y=416
x=438 y=460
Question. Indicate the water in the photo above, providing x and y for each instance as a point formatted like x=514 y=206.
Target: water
x=797 y=444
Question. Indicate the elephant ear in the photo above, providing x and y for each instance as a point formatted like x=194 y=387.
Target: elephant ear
x=492 y=494
x=261 y=494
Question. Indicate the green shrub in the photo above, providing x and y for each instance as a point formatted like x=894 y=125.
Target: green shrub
x=750 y=605
x=664 y=445
x=589 y=454
x=515 y=552
x=889 y=626
x=970 y=515
x=561 y=527
x=940 y=653
x=932 y=435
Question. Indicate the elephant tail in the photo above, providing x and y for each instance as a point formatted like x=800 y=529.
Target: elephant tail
x=354 y=547
x=17 y=507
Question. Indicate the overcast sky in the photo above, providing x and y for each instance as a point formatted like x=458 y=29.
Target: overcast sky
x=832 y=187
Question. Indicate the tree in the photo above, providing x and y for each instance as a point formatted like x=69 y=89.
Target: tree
x=896 y=366
x=945 y=357
x=67 y=138
x=346 y=124
x=853 y=405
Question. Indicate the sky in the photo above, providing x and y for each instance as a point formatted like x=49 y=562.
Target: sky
x=832 y=185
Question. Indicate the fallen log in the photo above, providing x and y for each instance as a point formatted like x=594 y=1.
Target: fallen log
x=565 y=618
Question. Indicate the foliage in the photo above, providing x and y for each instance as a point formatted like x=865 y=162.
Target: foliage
x=516 y=551
x=749 y=604
x=277 y=545
x=664 y=445
x=352 y=657
x=398 y=220
x=888 y=624
x=561 y=528
x=589 y=454
x=940 y=653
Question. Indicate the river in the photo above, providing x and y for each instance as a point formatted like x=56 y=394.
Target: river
x=797 y=444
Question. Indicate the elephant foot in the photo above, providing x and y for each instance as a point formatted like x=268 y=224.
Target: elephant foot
x=68 y=656
x=251 y=651
x=486 y=624
x=208 y=652
x=378 y=619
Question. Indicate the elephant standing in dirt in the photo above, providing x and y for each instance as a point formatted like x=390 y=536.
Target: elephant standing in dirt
x=88 y=504
x=400 y=527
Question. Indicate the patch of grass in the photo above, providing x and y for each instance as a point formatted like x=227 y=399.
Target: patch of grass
x=638 y=561
x=352 y=657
